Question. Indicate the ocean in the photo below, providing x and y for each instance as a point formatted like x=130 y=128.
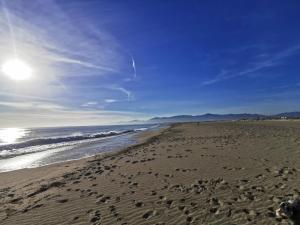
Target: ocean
x=33 y=147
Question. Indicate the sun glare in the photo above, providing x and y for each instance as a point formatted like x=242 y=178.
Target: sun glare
x=11 y=135
x=16 y=69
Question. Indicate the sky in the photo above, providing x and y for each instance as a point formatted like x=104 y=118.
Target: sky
x=99 y=62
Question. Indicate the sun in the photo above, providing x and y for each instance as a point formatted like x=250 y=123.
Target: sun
x=16 y=69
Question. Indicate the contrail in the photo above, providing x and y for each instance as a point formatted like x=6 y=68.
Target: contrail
x=128 y=93
x=81 y=63
x=125 y=91
x=133 y=66
x=12 y=34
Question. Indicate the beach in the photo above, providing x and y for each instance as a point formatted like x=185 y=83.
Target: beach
x=191 y=173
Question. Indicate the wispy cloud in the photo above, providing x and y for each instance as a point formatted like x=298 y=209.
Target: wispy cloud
x=27 y=114
x=31 y=105
x=66 y=60
x=110 y=100
x=56 y=46
x=23 y=96
x=271 y=61
x=128 y=93
x=88 y=104
x=61 y=48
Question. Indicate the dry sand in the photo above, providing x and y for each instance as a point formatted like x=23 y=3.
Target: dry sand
x=206 y=173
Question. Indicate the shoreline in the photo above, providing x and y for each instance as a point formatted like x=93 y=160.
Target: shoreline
x=135 y=137
x=142 y=138
x=189 y=173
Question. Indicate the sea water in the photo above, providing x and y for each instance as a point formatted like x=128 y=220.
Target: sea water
x=33 y=147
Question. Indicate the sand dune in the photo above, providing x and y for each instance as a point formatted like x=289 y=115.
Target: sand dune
x=193 y=173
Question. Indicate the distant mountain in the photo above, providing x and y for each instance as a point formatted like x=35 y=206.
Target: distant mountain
x=218 y=117
x=205 y=117
x=289 y=115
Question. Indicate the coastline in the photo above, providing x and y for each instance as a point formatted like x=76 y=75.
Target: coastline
x=44 y=154
x=9 y=177
x=189 y=173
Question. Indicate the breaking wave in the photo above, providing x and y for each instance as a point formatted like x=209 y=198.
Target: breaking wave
x=64 y=139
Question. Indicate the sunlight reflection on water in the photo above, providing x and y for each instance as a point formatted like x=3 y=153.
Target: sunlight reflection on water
x=11 y=135
x=23 y=161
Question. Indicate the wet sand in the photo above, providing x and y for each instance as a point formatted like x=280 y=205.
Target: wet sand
x=192 y=173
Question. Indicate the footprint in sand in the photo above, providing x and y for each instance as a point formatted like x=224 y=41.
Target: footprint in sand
x=95 y=217
x=139 y=204
x=112 y=209
x=169 y=203
x=104 y=199
x=75 y=218
x=63 y=200
x=189 y=219
x=148 y=214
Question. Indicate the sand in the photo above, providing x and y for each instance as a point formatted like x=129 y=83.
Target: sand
x=192 y=173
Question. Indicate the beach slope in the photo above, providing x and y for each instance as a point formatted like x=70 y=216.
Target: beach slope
x=191 y=173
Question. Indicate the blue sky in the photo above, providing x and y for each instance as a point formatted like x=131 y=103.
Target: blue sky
x=101 y=62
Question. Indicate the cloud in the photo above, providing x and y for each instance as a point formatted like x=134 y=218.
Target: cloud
x=66 y=60
x=23 y=96
x=32 y=105
x=272 y=61
x=88 y=104
x=110 y=90
x=64 y=118
x=110 y=100
x=58 y=46
x=66 y=49
x=128 y=93
x=29 y=114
